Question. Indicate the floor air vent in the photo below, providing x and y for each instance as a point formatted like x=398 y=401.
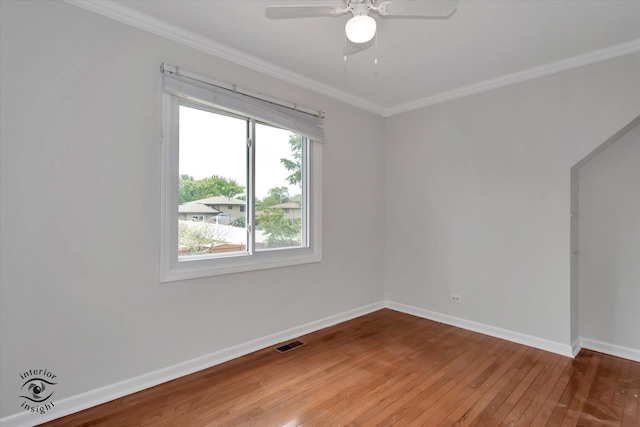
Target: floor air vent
x=289 y=346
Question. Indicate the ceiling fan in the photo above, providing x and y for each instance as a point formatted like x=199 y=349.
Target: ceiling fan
x=361 y=27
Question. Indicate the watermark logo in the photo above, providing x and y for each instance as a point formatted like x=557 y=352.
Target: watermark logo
x=37 y=390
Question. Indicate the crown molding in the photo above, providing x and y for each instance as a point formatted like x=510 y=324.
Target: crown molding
x=118 y=12
x=520 y=76
x=142 y=21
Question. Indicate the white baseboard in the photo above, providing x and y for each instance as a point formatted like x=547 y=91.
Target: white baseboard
x=576 y=347
x=114 y=391
x=612 y=349
x=517 y=337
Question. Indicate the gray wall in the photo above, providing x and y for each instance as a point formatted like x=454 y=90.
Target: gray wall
x=488 y=179
x=80 y=127
x=609 y=243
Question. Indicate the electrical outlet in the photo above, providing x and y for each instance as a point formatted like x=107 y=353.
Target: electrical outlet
x=456 y=298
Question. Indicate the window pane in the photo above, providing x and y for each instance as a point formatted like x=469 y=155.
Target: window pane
x=279 y=188
x=212 y=183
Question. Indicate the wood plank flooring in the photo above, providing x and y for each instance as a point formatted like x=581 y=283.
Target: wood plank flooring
x=390 y=369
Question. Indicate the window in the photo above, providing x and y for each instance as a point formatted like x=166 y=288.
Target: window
x=227 y=176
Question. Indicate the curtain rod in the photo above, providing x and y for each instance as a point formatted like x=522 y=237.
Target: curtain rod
x=172 y=69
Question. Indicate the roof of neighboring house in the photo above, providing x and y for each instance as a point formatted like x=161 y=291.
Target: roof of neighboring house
x=220 y=200
x=194 y=207
x=288 y=205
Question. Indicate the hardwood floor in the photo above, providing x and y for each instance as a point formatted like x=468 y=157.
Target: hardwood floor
x=389 y=368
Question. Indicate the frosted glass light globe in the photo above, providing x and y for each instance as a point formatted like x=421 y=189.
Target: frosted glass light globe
x=360 y=28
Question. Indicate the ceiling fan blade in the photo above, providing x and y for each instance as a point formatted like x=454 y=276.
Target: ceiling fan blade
x=287 y=12
x=434 y=9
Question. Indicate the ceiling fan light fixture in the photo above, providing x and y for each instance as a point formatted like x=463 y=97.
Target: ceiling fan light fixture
x=360 y=28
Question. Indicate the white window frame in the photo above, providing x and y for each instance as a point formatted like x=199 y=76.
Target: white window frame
x=173 y=268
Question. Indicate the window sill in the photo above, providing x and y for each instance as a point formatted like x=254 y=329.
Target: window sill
x=197 y=268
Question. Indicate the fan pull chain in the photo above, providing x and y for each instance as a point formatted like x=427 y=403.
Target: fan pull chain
x=375 y=41
x=375 y=59
x=345 y=47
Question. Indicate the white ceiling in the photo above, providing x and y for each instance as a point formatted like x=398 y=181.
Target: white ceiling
x=485 y=44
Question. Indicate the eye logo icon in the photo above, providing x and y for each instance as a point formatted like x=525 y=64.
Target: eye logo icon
x=37 y=390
